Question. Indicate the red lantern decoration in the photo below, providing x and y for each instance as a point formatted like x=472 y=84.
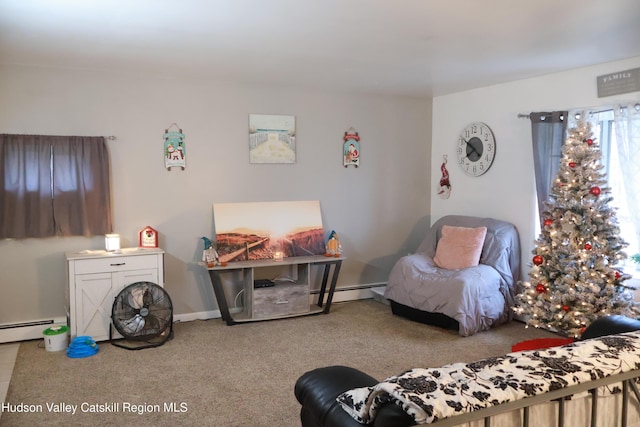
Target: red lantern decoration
x=566 y=308
x=541 y=288
x=572 y=164
x=595 y=191
x=547 y=222
x=537 y=260
x=589 y=141
x=588 y=246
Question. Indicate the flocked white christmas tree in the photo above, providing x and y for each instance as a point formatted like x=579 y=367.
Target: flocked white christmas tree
x=574 y=277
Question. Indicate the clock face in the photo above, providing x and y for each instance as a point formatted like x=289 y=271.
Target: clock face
x=476 y=149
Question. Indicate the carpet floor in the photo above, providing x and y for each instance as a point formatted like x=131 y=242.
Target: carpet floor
x=211 y=374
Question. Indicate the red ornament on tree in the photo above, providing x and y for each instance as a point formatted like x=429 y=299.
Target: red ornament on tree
x=588 y=246
x=537 y=260
x=547 y=222
x=595 y=191
x=589 y=141
x=617 y=275
x=540 y=288
x=572 y=164
x=566 y=307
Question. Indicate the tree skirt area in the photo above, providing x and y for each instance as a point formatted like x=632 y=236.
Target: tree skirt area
x=540 y=343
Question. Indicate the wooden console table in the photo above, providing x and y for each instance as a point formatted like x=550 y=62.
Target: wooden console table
x=287 y=292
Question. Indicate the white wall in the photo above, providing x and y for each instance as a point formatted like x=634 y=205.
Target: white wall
x=507 y=190
x=376 y=209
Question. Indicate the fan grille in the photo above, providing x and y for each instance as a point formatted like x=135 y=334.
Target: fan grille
x=142 y=311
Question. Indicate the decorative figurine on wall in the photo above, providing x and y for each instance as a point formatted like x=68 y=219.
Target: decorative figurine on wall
x=210 y=255
x=174 y=149
x=333 y=247
x=351 y=148
x=444 y=190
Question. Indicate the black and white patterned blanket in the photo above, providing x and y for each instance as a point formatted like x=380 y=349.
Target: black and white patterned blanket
x=432 y=394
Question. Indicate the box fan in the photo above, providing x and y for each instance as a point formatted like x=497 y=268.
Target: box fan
x=143 y=314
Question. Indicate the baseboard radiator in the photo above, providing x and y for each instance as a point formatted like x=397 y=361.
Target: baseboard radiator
x=23 y=331
x=33 y=330
x=350 y=293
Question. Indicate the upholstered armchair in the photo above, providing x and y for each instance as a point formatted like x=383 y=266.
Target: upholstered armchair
x=462 y=276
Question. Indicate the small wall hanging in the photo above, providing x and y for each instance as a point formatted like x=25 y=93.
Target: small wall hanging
x=351 y=148
x=272 y=139
x=175 y=152
x=444 y=189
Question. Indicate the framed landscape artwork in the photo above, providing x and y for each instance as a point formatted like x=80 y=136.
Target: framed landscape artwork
x=259 y=230
x=272 y=138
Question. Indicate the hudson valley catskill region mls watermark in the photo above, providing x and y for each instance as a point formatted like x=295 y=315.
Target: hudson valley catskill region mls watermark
x=94 y=408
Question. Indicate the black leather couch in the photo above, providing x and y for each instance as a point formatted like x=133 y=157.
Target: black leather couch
x=318 y=389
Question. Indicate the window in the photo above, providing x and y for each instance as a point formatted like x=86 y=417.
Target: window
x=605 y=131
x=54 y=186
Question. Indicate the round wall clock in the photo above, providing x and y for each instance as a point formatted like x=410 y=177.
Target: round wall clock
x=476 y=149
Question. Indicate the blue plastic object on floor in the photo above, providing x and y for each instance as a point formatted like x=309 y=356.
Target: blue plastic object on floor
x=83 y=346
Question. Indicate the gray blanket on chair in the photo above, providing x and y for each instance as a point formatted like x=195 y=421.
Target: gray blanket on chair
x=477 y=297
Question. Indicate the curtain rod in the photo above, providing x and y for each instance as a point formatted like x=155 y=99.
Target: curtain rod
x=110 y=138
x=528 y=116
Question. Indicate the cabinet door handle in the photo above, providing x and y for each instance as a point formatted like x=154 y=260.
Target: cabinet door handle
x=282 y=301
x=117 y=264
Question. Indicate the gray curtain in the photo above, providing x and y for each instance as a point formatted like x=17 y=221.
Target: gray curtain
x=548 y=135
x=54 y=186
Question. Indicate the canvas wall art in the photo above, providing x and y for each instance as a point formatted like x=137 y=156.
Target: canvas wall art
x=257 y=230
x=272 y=138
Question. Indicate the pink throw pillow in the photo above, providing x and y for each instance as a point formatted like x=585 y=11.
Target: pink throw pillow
x=459 y=247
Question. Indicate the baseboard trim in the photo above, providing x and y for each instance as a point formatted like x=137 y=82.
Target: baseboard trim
x=201 y=315
x=355 y=287
x=350 y=293
x=353 y=293
x=29 y=330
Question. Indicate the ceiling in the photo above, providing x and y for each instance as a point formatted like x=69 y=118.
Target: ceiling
x=402 y=47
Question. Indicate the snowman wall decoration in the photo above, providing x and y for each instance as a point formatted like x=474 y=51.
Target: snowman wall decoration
x=174 y=149
x=351 y=148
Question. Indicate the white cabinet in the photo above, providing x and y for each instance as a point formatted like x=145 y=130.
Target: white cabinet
x=96 y=278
